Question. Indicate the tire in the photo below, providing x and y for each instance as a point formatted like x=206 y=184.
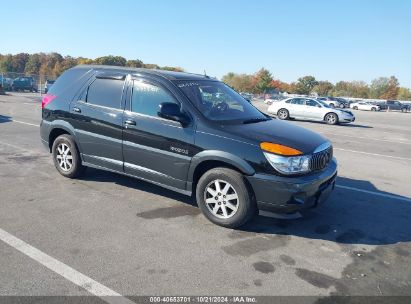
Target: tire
x=283 y=114
x=373 y=109
x=331 y=119
x=355 y=108
x=71 y=166
x=342 y=106
x=332 y=105
x=225 y=212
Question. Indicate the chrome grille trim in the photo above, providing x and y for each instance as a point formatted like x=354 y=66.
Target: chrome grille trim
x=321 y=157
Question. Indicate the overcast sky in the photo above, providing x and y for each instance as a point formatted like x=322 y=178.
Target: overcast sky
x=331 y=40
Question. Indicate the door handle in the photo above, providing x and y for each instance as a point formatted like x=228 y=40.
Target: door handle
x=129 y=122
x=78 y=110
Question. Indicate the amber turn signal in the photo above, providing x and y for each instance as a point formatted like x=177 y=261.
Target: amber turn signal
x=279 y=149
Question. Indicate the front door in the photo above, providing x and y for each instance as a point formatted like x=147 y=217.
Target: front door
x=154 y=148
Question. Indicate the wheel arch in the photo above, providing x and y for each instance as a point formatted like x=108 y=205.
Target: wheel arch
x=58 y=128
x=208 y=160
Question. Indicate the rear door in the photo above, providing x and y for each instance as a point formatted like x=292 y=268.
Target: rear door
x=98 y=122
x=154 y=148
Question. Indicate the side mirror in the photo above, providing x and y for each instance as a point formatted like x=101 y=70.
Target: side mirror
x=171 y=111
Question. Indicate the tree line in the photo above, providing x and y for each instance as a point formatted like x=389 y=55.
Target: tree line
x=53 y=65
x=263 y=82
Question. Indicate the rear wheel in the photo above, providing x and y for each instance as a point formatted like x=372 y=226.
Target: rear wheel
x=355 y=108
x=66 y=156
x=373 y=109
x=331 y=118
x=224 y=198
x=332 y=105
x=283 y=114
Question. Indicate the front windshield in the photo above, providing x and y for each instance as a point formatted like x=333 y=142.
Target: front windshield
x=218 y=102
x=323 y=103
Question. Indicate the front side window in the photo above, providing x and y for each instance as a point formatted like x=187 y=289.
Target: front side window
x=218 y=102
x=146 y=98
x=106 y=93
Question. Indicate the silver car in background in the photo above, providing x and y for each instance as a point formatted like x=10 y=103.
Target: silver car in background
x=310 y=109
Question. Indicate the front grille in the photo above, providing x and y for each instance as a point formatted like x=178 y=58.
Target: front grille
x=320 y=160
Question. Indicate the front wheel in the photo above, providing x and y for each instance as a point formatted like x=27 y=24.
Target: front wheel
x=66 y=156
x=224 y=198
x=355 y=108
x=283 y=114
x=331 y=118
x=373 y=109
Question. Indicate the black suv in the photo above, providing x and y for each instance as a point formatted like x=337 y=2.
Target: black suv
x=188 y=133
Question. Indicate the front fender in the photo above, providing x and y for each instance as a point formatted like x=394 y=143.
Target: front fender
x=222 y=156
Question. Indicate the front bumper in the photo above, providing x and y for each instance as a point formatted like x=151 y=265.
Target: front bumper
x=291 y=194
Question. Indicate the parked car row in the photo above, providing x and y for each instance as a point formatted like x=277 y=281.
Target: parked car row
x=380 y=105
x=23 y=83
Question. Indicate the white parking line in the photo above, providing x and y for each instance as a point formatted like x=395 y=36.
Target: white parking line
x=95 y=288
x=20 y=122
x=374 y=154
x=396 y=141
x=375 y=193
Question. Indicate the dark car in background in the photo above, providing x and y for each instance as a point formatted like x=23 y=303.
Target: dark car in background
x=188 y=133
x=26 y=83
x=396 y=105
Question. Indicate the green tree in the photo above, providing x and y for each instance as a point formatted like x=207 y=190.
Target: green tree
x=379 y=86
x=134 y=63
x=262 y=81
x=33 y=64
x=392 y=89
x=6 y=64
x=404 y=94
x=323 y=88
x=305 y=85
x=111 y=60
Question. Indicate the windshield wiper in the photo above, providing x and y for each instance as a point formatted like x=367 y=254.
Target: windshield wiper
x=254 y=120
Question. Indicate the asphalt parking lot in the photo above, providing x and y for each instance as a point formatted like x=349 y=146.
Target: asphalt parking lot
x=134 y=238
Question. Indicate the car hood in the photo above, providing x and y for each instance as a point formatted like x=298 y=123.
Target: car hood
x=278 y=132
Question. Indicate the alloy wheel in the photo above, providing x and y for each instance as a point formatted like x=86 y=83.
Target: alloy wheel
x=331 y=119
x=221 y=199
x=64 y=157
x=282 y=114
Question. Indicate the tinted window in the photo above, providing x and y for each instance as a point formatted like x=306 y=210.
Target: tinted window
x=311 y=103
x=147 y=98
x=65 y=81
x=297 y=101
x=105 y=92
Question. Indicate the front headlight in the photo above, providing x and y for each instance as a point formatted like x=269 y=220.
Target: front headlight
x=289 y=164
x=286 y=160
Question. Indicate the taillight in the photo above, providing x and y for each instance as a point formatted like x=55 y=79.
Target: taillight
x=46 y=100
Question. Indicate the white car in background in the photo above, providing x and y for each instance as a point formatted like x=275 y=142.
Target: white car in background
x=366 y=106
x=310 y=109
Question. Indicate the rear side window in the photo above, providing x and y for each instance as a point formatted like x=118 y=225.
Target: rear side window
x=147 y=98
x=106 y=93
x=66 y=80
